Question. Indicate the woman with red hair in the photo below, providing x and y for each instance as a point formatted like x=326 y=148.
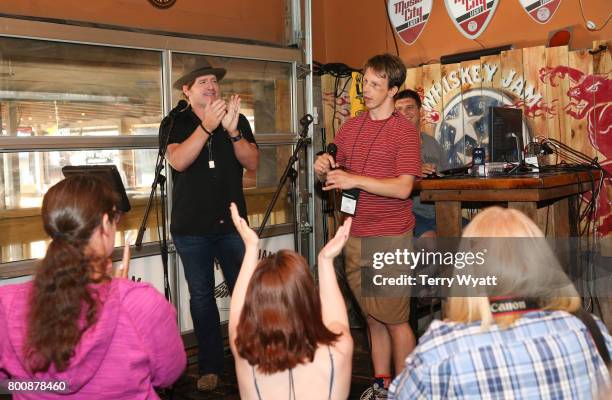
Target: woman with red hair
x=284 y=342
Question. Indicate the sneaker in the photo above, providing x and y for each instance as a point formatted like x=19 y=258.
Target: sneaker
x=375 y=392
x=208 y=382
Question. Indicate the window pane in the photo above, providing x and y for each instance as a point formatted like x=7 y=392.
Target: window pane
x=264 y=87
x=25 y=177
x=65 y=89
x=260 y=187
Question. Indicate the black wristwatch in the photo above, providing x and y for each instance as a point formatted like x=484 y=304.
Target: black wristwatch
x=237 y=138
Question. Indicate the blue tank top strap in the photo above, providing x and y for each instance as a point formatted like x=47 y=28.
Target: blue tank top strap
x=331 y=375
x=292 y=384
x=255 y=382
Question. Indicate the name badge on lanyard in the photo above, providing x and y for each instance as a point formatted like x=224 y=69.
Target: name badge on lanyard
x=349 y=201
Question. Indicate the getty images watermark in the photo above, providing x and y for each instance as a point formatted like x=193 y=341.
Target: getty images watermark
x=407 y=260
x=440 y=267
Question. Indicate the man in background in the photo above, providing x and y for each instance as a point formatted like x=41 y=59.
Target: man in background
x=433 y=158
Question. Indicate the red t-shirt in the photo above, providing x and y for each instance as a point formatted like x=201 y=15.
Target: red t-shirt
x=380 y=149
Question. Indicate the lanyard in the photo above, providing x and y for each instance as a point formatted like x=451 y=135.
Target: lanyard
x=371 y=145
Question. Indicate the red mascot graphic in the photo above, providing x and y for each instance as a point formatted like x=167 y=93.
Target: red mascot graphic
x=591 y=97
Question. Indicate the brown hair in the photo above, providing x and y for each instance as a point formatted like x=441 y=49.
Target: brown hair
x=387 y=66
x=281 y=324
x=526 y=267
x=71 y=211
x=409 y=94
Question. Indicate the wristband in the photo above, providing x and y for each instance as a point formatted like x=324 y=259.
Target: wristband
x=237 y=138
x=205 y=130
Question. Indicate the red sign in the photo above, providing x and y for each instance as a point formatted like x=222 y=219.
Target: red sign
x=409 y=17
x=540 y=10
x=471 y=17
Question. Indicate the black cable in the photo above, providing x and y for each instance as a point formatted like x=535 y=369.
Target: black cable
x=338 y=71
x=391 y=27
x=585 y=20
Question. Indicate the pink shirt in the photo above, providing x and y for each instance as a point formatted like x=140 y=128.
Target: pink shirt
x=134 y=346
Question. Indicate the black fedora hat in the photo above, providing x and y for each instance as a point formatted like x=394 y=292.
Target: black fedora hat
x=202 y=67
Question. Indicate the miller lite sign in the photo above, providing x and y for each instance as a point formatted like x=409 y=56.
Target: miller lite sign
x=409 y=17
x=540 y=10
x=471 y=17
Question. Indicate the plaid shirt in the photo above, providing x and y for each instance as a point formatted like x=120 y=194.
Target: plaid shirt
x=543 y=355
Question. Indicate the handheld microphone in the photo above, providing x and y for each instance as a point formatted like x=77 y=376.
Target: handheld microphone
x=332 y=150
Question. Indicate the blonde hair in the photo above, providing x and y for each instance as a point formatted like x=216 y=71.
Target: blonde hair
x=525 y=268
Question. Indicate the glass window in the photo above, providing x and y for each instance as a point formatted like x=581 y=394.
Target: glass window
x=28 y=175
x=258 y=192
x=57 y=89
x=263 y=86
x=64 y=89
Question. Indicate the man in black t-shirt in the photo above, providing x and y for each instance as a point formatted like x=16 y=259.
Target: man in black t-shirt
x=210 y=145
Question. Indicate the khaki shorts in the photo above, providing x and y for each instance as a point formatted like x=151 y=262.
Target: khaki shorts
x=358 y=254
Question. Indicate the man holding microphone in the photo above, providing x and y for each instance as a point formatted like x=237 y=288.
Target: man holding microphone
x=379 y=151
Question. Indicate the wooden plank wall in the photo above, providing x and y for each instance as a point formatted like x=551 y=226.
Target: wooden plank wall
x=515 y=78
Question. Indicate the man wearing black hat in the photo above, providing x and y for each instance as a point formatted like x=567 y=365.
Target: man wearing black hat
x=210 y=146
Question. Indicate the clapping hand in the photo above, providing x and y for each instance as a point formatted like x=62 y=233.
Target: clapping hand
x=334 y=246
x=248 y=235
x=230 y=120
x=214 y=112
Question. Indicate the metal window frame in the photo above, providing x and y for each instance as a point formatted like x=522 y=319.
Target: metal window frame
x=166 y=45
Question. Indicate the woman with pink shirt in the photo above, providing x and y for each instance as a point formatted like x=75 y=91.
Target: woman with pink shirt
x=76 y=332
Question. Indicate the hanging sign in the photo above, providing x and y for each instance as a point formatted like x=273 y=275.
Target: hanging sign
x=540 y=10
x=409 y=17
x=471 y=17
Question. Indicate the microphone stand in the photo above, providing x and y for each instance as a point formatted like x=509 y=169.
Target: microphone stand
x=165 y=129
x=291 y=173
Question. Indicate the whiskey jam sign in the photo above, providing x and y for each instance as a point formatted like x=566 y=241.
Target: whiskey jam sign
x=540 y=10
x=471 y=17
x=409 y=17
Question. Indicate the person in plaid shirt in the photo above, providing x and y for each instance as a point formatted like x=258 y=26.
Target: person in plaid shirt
x=539 y=352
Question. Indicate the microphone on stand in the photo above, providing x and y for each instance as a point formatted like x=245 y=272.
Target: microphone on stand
x=167 y=122
x=180 y=107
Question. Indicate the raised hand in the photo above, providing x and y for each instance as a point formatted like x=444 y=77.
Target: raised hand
x=248 y=235
x=123 y=269
x=334 y=246
x=230 y=120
